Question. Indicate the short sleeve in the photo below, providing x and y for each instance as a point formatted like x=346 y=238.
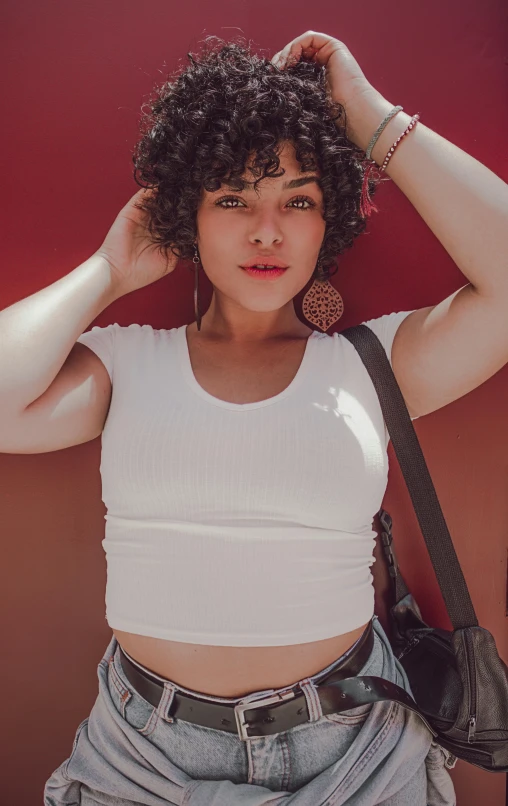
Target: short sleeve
x=102 y=341
x=385 y=328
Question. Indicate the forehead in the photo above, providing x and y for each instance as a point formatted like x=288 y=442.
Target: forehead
x=293 y=177
x=286 y=184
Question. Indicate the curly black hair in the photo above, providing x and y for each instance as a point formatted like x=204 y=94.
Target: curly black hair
x=206 y=120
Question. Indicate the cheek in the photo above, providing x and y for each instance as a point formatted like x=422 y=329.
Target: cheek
x=307 y=236
x=218 y=229
x=310 y=222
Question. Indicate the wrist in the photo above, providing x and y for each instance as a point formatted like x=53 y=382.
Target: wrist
x=363 y=117
x=113 y=288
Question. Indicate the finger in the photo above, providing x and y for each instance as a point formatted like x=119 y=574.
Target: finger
x=285 y=59
x=279 y=60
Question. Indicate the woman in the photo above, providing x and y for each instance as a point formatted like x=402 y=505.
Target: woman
x=244 y=456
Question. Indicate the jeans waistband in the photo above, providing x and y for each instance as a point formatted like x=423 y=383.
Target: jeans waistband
x=255 y=695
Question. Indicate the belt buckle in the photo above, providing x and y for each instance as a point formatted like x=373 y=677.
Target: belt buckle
x=241 y=708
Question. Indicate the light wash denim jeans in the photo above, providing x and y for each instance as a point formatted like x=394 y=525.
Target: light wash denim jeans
x=128 y=753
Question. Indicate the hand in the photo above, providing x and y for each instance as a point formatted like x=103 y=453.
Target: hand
x=345 y=79
x=134 y=259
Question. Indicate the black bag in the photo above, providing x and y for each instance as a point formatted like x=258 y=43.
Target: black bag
x=459 y=682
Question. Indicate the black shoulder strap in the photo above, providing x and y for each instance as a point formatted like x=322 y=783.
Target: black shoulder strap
x=417 y=477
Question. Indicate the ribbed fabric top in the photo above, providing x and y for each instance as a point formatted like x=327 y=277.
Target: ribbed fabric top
x=239 y=524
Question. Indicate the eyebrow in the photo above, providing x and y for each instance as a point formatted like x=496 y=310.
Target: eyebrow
x=293 y=183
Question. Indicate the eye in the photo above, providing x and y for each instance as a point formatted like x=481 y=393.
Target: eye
x=295 y=200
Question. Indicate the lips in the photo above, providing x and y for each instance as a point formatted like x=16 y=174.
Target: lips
x=264 y=274
x=264 y=261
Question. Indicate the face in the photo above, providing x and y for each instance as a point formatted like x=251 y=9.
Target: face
x=234 y=227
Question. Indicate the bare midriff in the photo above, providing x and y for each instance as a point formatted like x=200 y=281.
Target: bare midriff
x=230 y=671
x=239 y=374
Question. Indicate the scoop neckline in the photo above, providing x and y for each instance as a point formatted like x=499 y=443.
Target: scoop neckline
x=190 y=378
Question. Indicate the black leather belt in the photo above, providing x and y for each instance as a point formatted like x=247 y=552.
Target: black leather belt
x=271 y=714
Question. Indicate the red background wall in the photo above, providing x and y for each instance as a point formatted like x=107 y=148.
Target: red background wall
x=75 y=76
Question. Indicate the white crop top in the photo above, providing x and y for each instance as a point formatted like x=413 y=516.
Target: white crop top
x=239 y=524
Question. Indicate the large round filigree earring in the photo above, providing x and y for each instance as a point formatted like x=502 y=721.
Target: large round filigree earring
x=322 y=305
